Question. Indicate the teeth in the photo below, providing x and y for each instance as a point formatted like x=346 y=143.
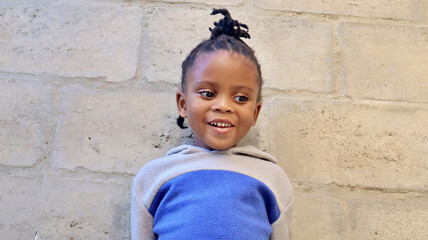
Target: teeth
x=220 y=124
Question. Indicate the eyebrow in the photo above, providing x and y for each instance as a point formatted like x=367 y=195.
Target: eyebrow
x=213 y=83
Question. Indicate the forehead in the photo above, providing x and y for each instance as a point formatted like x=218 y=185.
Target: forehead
x=224 y=56
x=221 y=65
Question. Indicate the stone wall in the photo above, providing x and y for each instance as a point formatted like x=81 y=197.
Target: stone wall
x=87 y=97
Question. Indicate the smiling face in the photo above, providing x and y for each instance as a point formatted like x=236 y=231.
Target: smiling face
x=220 y=99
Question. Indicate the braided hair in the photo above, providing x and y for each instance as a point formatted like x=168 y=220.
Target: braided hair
x=226 y=35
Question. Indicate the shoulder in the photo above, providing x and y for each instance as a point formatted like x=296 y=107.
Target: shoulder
x=158 y=171
x=264 y=167
x=173 y=159
x=155 y=167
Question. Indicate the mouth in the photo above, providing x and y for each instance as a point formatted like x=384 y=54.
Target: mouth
x=221 y=123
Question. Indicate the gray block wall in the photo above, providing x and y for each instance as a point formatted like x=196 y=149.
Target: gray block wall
x=87 y=97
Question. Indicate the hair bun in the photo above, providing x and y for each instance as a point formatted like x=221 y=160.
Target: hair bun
x=228 y=26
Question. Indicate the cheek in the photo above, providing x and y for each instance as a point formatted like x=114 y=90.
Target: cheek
x=247 y=115
x=195 y=111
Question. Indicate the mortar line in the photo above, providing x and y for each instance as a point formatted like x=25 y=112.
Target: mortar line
x=307 y=95
x=358 y=187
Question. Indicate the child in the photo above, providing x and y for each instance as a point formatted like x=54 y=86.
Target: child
x=213 y=189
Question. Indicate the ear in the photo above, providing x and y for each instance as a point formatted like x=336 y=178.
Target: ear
x=181 y=104
x=256 y=113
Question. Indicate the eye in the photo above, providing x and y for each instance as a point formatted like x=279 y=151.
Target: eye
x=241 y=98
x=207 y=94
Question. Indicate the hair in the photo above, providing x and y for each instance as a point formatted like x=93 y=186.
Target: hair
x=226 y=35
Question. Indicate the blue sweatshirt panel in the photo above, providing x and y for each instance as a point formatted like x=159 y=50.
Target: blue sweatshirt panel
x=214 y=204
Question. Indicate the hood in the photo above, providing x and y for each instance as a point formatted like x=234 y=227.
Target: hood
x=248 y=150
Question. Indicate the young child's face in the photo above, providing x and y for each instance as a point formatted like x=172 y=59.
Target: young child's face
x=220 y=99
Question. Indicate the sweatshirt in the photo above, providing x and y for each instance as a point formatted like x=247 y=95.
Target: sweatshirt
x=196 y=193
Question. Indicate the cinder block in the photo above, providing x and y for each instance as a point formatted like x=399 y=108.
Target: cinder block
x=116 y=131
x=75 y=209
x=295 y=54
x=316 y=217
x=384 y=61
x=384 y=219
x=166 y=47
x=20 y=203
x=379 y=145
x=70 y=38
x=24 y=121
x=398 y=9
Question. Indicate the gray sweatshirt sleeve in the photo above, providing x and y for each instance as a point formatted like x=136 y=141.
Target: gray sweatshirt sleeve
x=141 y=220
x=281 y=228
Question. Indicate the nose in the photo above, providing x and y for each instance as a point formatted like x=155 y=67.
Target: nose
x=222 y=104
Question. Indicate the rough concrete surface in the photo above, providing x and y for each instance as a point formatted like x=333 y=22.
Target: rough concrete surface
x=114 y=131
x=378 y=63
x=24 y=119
x=87 y=97
x=298 y=55
x=376 y=145
x=70 y=38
